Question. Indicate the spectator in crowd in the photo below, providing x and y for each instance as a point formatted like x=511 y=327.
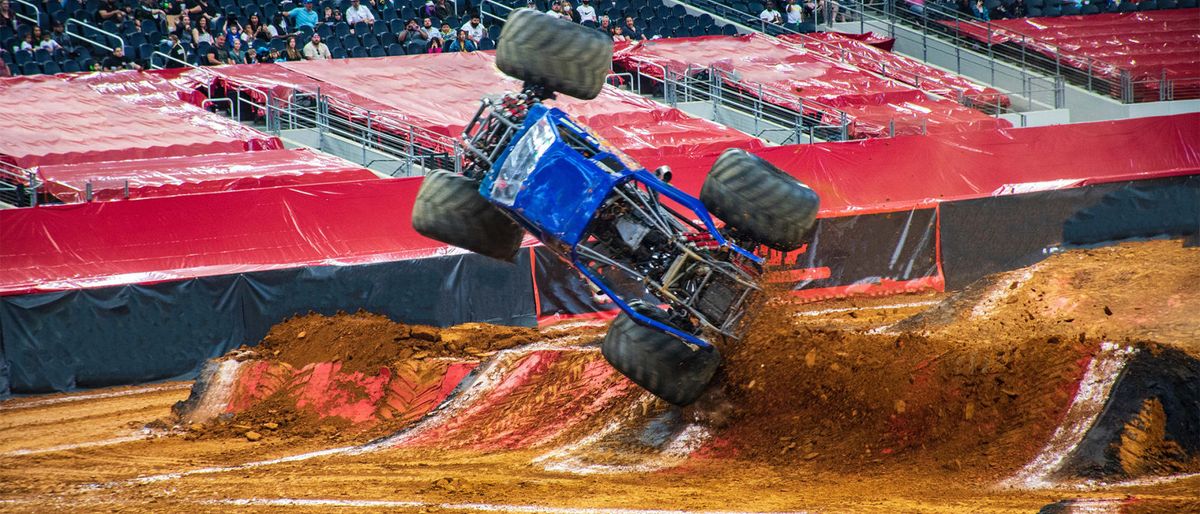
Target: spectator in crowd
x=462 y=43
x=110 y=10
x=148 y=12
x=8 y=18
x=201 y=34
x=256 y=29
x=569 y=11
x=201 y=9
x=556 y=11
x=428 y=28
x=442 y=10
x=237 y=53
x=273 y=55
x=793 y=14
x=358 y=12
x=218 y=53
x=435 y=45
x=631 y=31
x=428 y=10
x=59 y=35
x=979 y=11
x=119 y=61
x=183 y=30
x=327 y=15
x=26 y=44
x=48 y=43
x=279 y=25
x=305 y=16
x=475 y=30
x=338 y=18
x=412 y=38
x=292 y=51
x=586 y=12
x=770 y=15
x=235 y=33
x=446 y=34
x=618 y=35
x=605 y=25
x=174 y=10
x=177 y=52
x=315 y=50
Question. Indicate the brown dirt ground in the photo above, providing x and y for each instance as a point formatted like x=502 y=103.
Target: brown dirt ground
x=830 y=415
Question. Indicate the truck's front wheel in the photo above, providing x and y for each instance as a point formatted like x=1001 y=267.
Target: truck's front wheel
x=554 y=53
x=759 y=201
x=450 y=209
x=658 y=361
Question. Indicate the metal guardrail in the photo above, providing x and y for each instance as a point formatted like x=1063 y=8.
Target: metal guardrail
x=19 y=186
x=88 y=26
x=37 y=12
x=1019 y=53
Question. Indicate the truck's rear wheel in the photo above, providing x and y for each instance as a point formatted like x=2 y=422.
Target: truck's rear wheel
x=657 y=361
x=759 y=201
x=450 y=209
x=554 y=53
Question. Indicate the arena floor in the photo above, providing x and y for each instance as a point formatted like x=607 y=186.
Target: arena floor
x=917 y=403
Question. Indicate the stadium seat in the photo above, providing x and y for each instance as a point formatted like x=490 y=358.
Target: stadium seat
x=21 y=57
x=1091 y=9
x=1187 y=4
x=1147 y=5
x=350 y=42
x=487 y=44
x=145 y=51
x=494 y=32
x=362 y=28
x=379 y=29
x=278 y=44
x=368 y=40
x=338 y=53
x=41 y=55
x=1051 y=10
x=51 y=68
x=86 y=64
x=1168 y=4
x=324 y=31
x=397 y=26
x=358 y=51
x=268 y=12
x=1128 y=7
x=341 y=29
x=377 y=51
x=70 y=66
x=30 y=68
x=729 y=30
x=395 y=49
x=1071 y=10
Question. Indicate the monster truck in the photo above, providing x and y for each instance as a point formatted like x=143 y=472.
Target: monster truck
x=680 y=281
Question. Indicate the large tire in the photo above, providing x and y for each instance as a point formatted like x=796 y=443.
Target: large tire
x=760 y=201
x=554 y=53
x=450 y=209
x=658 y=361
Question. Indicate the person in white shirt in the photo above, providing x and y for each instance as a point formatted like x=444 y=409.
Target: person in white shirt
x=586 y=12
x=770 y=15
x=475 y=29
x=315 y=50
x=556 y=11
x=358 y=12
x=795 y=14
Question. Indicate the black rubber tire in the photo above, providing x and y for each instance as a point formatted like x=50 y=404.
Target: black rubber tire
x=659 y=362
x=760 y=201
x=559 y=55
x=450 y=209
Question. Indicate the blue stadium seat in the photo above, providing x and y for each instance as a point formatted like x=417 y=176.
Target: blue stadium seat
x=1168 y=4
x=377 y=51
x=268 y=12
x=21 y=57
x=1051 y=10
x=379 y=29
x=145 y=51
x=368 y=40
x=135 y=39
x=397 y=26
x=338 y=53
x=1187 y=4
x=324 y=30
x=362 y=28
x=487 y=44
x=31 y=68
x=358 y=51
x=51 y=68
x=729 y=30
x=278 y=44
x=70 y=66
x=1071 y=10
x=1091 y=9
x=341 y=29
x=41 y=55
x=395 y=49
x=350 y=42
x=1147 y=5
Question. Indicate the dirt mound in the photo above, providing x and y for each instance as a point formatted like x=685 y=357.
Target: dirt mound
x=366 y=342
x=391 y=371
x=978 y=382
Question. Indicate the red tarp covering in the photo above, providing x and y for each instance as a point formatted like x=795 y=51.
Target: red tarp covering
x=887 y=174
x=440 y=92
x=197 y=174
x=86 y=119
x=872 y=58
x=803 y=80
x=156 y=239
x=1147 y=44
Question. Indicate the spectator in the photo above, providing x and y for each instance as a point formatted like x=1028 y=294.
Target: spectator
x=256 y=29
x=631 y=31
x=49 y=44
x=110 y=10
x=462 y=43
x=441 y=10
x=447 y=33
x=475 y=30
x=794 y=14
x=359 y=12
x=605 y=25
x=183 y=30
x=569 y=12
x=174 y=11
x=201 y=9
x=237 y=53
x=279 y=25
x=236 y=32
x=201 y=34
x=556 y=11
x=428 y=28
x=292 y=51
x=59 y=35
x=429 y=10
x=979 y=11
x=304 y=17
x=147 y=12
x=618 y=36
x=177 y=52
x=315 y=50
x=435 y=45
x=327 y=15
x=8 y=18
x=274 y=56
x=26 y=43
x=770 y=15
x=118 y=61
x=337 y=18
x=412 y=38
x=586 y=12
x=218 y=53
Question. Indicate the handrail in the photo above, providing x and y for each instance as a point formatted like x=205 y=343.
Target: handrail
x=37 y=12
x=69 y=21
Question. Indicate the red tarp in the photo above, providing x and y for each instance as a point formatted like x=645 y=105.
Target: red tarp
x=197 y=174
x=440 y=92
x=157 y=239
x=871 y=57
x=793 y=77
x=86 y=119
x=1147 y=44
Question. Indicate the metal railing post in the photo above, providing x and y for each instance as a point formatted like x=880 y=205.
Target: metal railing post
x=69 y=21
x=87 y=191
x=33 y=189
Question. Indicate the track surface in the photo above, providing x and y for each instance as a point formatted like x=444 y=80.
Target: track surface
x=114 y=450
